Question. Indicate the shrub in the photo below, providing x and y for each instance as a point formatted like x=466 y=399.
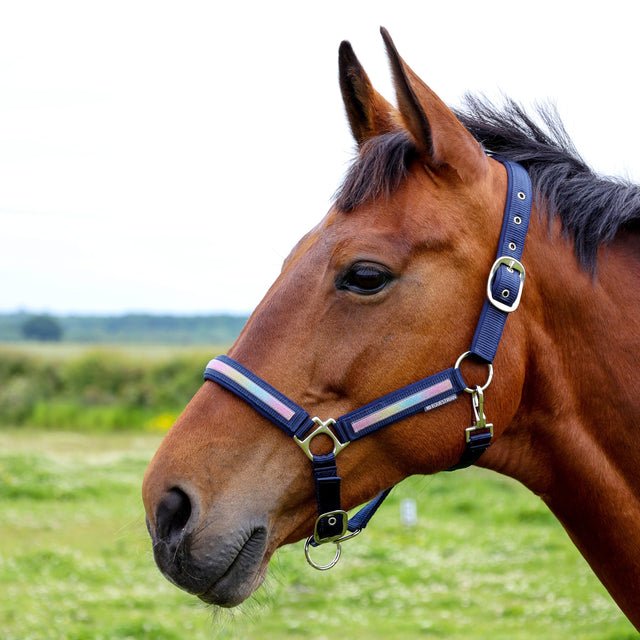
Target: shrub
x=96 y=390
x=41 y=328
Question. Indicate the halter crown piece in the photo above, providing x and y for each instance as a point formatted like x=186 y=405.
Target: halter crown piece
x=504 y=289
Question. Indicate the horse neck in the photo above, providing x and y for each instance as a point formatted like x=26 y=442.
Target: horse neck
x=575 y=440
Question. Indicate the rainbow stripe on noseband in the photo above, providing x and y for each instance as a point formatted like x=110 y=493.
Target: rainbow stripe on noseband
x=252 y=389
x=418 y=397
x=504 y=289
x=394 y=409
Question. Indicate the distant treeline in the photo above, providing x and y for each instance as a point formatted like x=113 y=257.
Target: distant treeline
x=131 y=328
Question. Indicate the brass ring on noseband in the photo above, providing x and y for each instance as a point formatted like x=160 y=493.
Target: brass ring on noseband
x=321 y=567
x=489 y=377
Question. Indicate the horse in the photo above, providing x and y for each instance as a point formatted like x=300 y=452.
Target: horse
x=368 y=328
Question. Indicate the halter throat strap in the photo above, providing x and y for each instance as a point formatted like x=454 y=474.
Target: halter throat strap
x=504 y=290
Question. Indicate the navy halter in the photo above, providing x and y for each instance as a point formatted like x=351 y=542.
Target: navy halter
x=504 y=289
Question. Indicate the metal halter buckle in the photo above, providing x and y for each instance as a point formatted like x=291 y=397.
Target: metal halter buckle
x=512 y=265
x=332 y=519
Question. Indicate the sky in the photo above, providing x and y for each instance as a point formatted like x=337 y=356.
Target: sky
x=165 y=157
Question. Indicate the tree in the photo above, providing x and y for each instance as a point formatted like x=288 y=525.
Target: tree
x=42 y=327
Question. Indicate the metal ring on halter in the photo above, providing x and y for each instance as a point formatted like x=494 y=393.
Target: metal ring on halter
x=489 y=378
x=323 y=427
x=321 y=567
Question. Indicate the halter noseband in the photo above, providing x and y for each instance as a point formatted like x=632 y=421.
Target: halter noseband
x=504 y=289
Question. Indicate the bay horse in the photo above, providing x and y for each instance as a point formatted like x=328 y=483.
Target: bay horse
x=390 y=287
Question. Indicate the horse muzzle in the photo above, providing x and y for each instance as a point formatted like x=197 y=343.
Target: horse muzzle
x=219 y=558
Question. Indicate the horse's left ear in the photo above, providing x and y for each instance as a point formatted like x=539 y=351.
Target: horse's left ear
x=369 y=113
x=439 y=135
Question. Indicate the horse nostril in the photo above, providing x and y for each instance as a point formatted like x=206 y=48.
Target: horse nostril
x=172 y=516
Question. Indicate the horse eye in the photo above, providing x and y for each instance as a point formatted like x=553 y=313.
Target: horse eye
x=365 y=279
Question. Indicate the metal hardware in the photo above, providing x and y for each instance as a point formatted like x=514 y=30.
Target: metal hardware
x=512 y=246
x=480 y=420
x=324 y=567
x=489 y=377
x=515 y=265
x=477 y=401
x=505 y=293
x=517 y=220
x=521 y=195
x=323 y=427
x=331 y=515
x=348 y=536
x=321 y=567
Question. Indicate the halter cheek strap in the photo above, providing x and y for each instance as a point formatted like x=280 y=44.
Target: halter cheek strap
x=504 y=289
x=506 y=278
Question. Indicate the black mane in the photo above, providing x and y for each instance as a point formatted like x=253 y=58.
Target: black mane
x=380 y=167
x=591 y=208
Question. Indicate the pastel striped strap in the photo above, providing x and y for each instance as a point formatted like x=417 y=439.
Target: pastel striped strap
x=418 y=397
x=266 y=400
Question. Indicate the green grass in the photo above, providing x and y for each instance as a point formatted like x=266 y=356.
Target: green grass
x=486 y=560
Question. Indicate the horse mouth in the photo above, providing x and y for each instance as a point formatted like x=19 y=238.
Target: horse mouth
x=223 y=574
x=243 y=575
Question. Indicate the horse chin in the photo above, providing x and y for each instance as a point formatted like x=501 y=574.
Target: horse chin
x=222 y=575
x=243 y=576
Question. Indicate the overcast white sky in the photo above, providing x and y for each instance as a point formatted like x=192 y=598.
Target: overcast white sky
x=165 y=156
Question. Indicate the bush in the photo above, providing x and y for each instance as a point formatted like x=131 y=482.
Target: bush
x=43 y=328
x=97 y=390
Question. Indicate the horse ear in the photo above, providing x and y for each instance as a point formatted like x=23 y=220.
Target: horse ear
x=439 y=135
x=368 y=112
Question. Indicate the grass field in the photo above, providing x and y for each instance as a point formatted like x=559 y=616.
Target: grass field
x=486 y=560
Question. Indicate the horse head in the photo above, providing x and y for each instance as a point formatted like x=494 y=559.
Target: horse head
x=386 y=289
